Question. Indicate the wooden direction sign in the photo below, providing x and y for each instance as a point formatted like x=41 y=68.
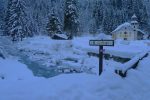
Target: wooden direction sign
x=101 y=43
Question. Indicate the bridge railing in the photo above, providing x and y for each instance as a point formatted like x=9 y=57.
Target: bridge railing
x=132 y=64
x=110 y=56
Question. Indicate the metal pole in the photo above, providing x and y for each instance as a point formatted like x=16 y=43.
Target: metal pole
x=100 y=59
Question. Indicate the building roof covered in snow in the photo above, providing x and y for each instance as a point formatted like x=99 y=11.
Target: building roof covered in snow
x=134 y=17
x=125 y=25
x=136 y=22
x=140 y=31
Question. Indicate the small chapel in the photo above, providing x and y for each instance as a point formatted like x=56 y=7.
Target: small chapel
x=128 y=30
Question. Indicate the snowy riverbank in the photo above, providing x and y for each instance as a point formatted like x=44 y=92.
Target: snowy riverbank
x=18 y=82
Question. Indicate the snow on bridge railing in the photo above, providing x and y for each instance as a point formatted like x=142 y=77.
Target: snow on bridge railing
x=132 y=64
x=110 y=56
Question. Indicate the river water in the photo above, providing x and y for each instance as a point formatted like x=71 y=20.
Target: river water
x=39 y=70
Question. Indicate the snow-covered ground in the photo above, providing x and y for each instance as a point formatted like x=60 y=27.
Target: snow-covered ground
x=13 y=70
x=18 y=82
x=72 y=54
x=125 y=49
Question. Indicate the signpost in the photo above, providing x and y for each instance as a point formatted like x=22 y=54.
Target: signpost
x=101 y=43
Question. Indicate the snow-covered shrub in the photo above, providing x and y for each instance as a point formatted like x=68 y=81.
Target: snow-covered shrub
x=59 y=45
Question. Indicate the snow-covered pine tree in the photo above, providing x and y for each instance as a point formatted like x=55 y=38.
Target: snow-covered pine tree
x=2 y=14
x=93 y=27
x=108 y=21
x=144 y=20
x=54 y=24
x=17 y=21
x=122 y=10
x=39 y=13
x=85 y=9
x=71 y=21
x=129 y=8
x=141 y=12
x=8 y=23
x=98 y=13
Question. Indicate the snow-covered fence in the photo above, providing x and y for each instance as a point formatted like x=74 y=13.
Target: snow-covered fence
x=108 y=57
x=132 y=64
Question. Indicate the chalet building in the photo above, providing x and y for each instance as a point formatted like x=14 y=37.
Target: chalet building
x=128 y=31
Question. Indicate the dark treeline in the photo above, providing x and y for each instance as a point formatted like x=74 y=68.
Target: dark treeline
x=22 y=18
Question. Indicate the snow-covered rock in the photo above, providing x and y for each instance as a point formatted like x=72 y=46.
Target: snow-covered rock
x=60 y=36
x=103 y=36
